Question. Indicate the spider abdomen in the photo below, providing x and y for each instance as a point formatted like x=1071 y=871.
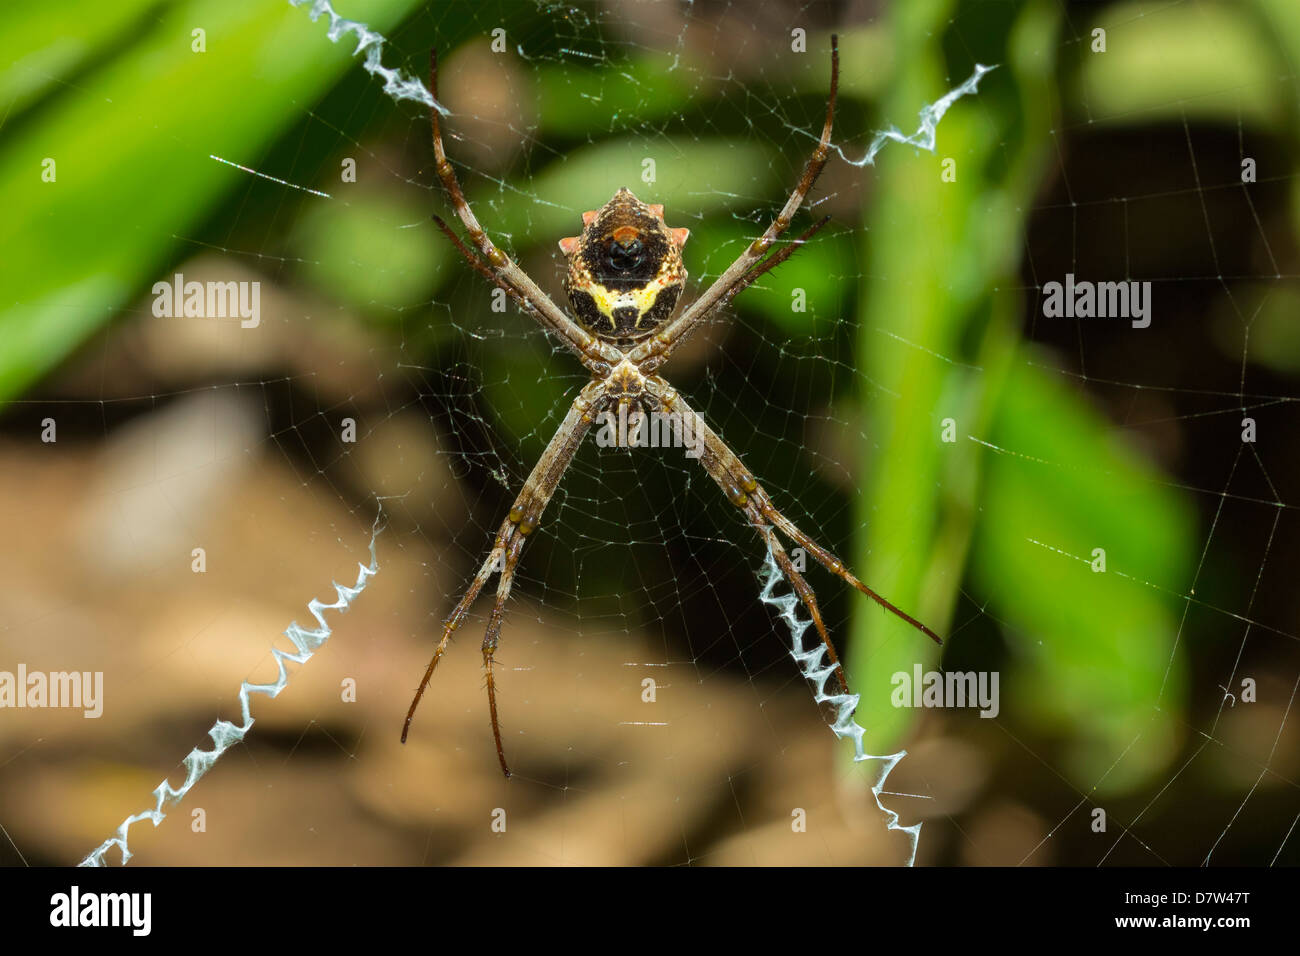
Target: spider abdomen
x=625 y=270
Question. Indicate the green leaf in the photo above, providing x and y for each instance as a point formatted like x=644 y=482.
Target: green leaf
x=1203 y=61
x=375 y=251
x=576 y=101
x=939 y=328
x=1094 y=650
x=692 y=178
x=45 y=43
x=131 y=148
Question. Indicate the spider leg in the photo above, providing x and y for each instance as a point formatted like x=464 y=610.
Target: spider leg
x=509 y=545
x=772 y=261
x=801 y=588
x=833 y=564
x=745 y=493
x=591 y=350
x=493 y=636
x=482 y=268
x=662 y=344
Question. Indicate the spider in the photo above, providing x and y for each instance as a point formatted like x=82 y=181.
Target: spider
x=625 y=277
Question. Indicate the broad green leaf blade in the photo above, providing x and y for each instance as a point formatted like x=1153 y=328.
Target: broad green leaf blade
x=45 y=43
x=939 y=333
x=131 y=162
x=1094 y=649
x=1199 y=61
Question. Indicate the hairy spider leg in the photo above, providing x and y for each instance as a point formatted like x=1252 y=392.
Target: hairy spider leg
x=510 y=540
x=772 y=261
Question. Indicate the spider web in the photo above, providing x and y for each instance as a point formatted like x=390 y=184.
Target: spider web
x=651 y=709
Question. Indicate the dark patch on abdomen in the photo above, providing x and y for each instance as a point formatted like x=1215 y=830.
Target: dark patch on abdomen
x=584 y=309
x=663 y=307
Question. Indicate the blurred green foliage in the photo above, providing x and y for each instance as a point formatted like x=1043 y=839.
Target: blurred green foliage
x=1038 y=480
x=130 y=137
x=363 y=254
x=1187 y=60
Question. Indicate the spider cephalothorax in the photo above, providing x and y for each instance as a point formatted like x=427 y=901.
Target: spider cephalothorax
x=625 y=269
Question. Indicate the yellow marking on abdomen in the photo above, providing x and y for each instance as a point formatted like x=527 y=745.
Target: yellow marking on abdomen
x=642 y=299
